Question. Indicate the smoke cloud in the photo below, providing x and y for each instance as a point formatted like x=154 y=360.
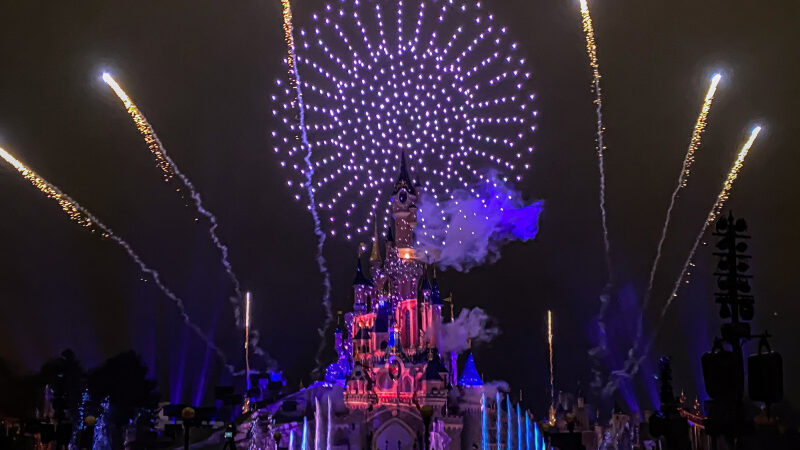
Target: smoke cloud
x=472 y=326
x=491 y=388
x=472 y=227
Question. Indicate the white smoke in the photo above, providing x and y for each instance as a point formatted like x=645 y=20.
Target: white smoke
x=491 y=388
x=472 y=326
x=472 y=227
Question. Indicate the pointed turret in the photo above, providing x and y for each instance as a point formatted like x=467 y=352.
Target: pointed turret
x=403 y=179
x=362 y=288
x=404 y=211
x=436 y=296
x=361 y=279
x=375 y=256
x=434 y=370
x=339 y=326
x=470 y=376
x=425 y=287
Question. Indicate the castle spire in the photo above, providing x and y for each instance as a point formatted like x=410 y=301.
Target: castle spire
x=360 y=279
x=436 y=296
x=339 y=328
x=470 y=376
x=376 y=252
x=403 y=179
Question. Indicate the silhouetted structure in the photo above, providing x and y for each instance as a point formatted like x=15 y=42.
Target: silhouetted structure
x=723 y=366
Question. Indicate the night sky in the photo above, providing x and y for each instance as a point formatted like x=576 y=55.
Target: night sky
x=202 y=71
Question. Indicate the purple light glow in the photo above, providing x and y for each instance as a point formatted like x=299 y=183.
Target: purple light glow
x=440 y=82
x=470 y=228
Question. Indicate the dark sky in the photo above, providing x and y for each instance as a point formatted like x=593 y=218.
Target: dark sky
x=202 y=71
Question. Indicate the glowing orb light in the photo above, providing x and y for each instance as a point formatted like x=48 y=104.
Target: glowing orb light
x=436 y=80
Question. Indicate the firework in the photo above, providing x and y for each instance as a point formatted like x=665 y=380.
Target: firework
x=70 y=207
x=634 y=361
x=83 y=217
x=308 y=174
x=683 y=178
x=288 y=35
x=591 y=51
x=441 y=84
x=247 y=300
x=552 y=412
x=170 y=170
x=722 y=197
x=150 y=138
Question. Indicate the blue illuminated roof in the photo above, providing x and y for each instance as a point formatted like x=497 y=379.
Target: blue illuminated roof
x=470 y=376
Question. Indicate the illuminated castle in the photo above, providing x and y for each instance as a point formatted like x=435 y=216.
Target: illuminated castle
x=390 y=387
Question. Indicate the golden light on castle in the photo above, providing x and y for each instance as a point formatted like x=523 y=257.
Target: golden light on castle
x=407 y=253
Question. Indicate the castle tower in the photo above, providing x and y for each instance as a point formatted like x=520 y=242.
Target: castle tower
x=426 y=325
x=436 y=313
x=375 y=259
x=431 y=313
x=408 y=325
x=405 y=273
x=404 y=211
x=362 y=290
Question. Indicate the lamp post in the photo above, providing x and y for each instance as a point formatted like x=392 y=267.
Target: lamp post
x=187 y=414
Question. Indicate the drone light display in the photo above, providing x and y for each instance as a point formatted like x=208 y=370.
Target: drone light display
x=438 y=81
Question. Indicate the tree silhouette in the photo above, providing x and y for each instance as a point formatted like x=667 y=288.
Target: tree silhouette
x=18 y=393
x=66 y=376
x=123 y=379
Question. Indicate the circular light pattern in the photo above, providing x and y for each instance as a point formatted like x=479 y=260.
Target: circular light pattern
x=435 y=80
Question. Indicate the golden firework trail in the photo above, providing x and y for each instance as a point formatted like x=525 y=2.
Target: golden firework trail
x=699 y=127
x=722 y=197
x=688 y=160
x=170 y=170
x=144 y=128
x=83 y=217
x=294 y=74
x=288 y=35
x=633 y=362
x=552 y=412
x=69 y=206
x=591 y=51
x=247 y=299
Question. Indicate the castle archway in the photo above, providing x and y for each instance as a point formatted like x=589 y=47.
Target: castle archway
x=394 y=435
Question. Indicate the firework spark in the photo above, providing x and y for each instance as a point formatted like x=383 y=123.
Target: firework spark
x=552 y=412
x=83 y=217
x=70 y=207
x=308 y=173
x=150 y=138
x=591 y=51
x=288 y=35
x=170 y=170
x=247 y=299
x=683 y=178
